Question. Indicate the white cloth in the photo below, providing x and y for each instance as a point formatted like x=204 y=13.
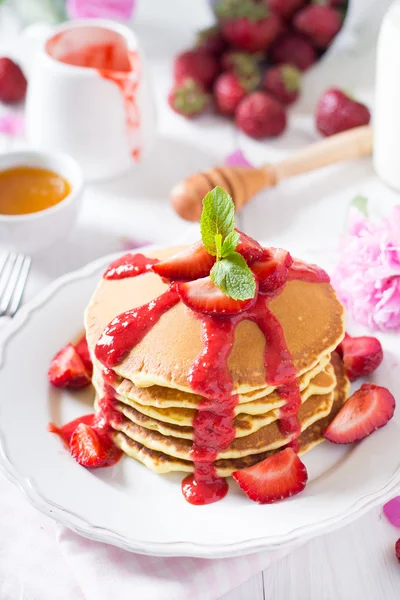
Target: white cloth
x=41 y=560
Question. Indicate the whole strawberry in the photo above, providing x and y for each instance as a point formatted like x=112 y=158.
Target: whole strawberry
x=336 y=112
x=230 y=89
x=259 y=115
x=211 y=40
x=319 y=23
x=285 y=8
x=188 y=98
x=198 y=65
x=293 y=49
x=283 y=83
x=247 y=24
x=12 y=82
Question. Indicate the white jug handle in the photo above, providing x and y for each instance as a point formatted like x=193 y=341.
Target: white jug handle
x=32 y=40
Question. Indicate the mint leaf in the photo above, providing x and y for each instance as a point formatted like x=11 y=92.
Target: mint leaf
x=234 y=278
x=218 y=217
x=218 y=246
x=230 y=243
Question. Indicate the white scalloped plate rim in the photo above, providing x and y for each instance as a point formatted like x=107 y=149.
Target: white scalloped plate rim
x=177 y=548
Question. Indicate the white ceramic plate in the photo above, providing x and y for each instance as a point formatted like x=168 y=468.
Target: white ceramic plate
x=131 y=507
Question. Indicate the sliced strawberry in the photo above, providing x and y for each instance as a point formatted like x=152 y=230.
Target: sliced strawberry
x=272 y=269
x=307 y=272
x=250 y=249
x=279 y=476
x=67 y=369
x=191 y=263
x=65 y=432
x=85 y=446
x=361 y=355
x=82 y=349
x=370 y=408
x=202 y=295
x=397 y=549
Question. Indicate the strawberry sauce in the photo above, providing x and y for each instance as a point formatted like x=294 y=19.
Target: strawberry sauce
x=127 y=330
x=129 y=265
x=213 y=428
x=128 y=83
x=213 y=425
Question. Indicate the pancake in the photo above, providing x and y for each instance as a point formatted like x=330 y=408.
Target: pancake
x=178 y=421
x=183 y=415
x=310 y=437
x=310 y=314
x=266 y=438
x=163 y=397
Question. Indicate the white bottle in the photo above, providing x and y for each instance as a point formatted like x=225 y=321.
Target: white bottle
x=387 y=102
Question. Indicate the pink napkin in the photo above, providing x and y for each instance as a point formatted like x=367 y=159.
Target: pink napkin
x=104 y=572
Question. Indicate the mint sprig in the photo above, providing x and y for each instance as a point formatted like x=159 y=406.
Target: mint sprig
x=230 y=271
x=217 y=218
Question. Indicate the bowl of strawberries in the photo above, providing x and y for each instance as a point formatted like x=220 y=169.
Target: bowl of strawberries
x=249 y=65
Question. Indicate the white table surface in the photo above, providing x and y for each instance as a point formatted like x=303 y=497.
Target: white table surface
x=356 y=562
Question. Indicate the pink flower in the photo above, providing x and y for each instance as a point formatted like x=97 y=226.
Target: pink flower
x=237 y=159
x=367 y=275
x=106 y=9
x=12 y=124
x=391 y=510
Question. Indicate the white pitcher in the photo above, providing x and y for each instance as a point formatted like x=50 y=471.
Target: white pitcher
x=104 y=118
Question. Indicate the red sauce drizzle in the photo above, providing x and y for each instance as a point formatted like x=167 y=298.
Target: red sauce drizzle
x=213 y=425
x=213 y=428
x=128 y=82
x=127 y=330
x=129 y=265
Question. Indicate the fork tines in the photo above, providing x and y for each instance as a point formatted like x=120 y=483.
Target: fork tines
x=14 y=269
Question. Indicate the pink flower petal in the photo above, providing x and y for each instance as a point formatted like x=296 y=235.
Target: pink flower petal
x=105 y=9
x=237 y=159
x=391 y=510
x=12 y=124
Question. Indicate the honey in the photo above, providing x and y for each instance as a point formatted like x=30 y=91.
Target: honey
x=25 y=190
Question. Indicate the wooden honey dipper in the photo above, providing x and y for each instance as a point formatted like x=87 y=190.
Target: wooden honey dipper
x=244 y=182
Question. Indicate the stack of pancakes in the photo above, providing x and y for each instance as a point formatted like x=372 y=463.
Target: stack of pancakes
x=156 y=406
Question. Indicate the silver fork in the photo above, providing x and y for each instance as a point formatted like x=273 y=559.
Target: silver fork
x=14 y=270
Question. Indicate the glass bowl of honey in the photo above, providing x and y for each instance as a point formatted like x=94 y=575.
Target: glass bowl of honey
x=40 y=195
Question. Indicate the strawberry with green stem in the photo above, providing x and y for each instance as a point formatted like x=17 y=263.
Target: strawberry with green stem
x=248 y=24
x=188 y=98
x=283 y=82
x=198 y=65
